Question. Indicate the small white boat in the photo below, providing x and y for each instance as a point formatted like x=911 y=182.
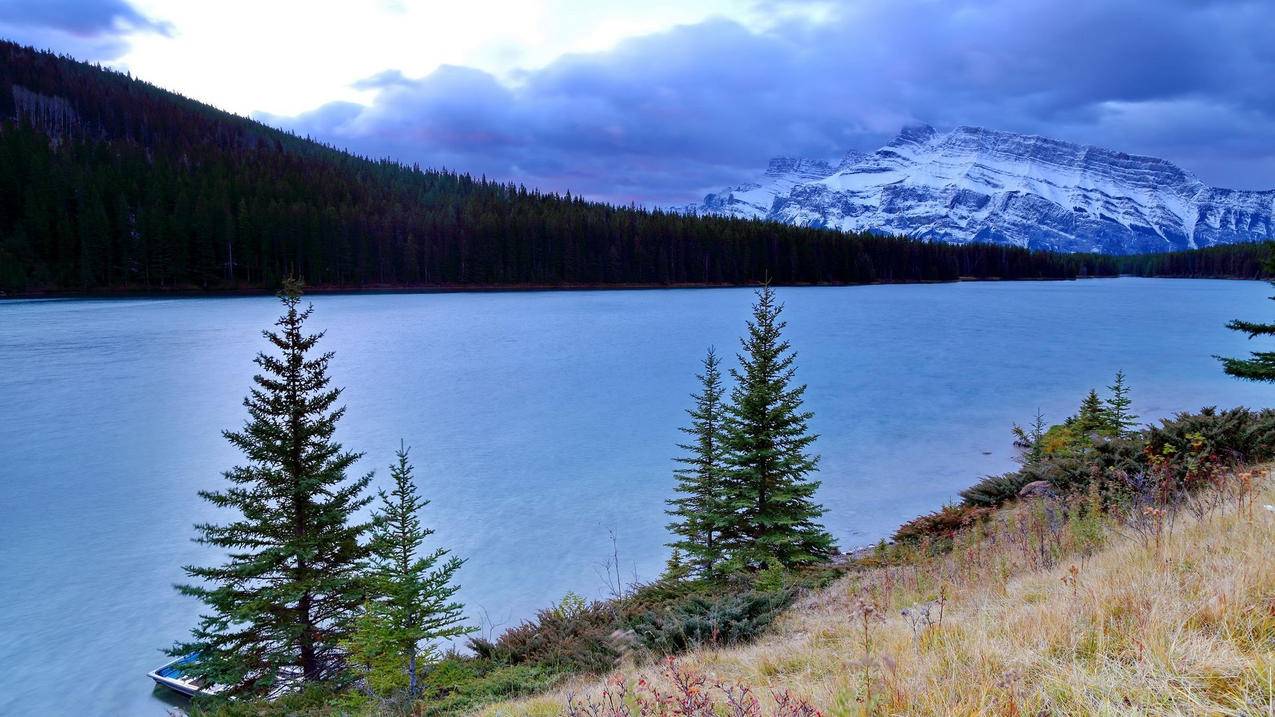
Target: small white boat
x=172 y=676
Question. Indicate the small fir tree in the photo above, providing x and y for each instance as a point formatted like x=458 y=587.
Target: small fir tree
x=1092 y=417
x=414 y=593
x=675 y=568
x=699 y=511
x=1118 y=407
x=292 y=581
x=767 y=482
x=373 y=652
x=1028 y=441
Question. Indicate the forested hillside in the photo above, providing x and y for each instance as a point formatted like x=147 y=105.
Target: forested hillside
x=108 y=183
x=1233 y=261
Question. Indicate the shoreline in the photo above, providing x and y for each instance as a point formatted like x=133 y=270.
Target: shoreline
x=194 y=292
x=197 y=293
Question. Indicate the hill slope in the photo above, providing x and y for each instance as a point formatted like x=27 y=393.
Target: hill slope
x=109 y=183
x=979 y=185
x=1188 y=629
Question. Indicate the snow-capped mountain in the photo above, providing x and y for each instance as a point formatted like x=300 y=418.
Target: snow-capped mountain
x=974 y=184
x=754 y=200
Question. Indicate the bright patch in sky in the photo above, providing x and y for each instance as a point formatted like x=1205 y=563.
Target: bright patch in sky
x=284 y=57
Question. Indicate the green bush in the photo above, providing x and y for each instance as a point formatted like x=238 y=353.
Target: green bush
x=1235 y=436
x=712 y=620
x=1179 y=445
x=572 y=636
x=459 y=685
x=1105 y=462
x=994 y=491
x=665 y=616
x=317 y=699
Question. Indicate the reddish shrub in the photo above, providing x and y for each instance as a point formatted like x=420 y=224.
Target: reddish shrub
x=941 y=525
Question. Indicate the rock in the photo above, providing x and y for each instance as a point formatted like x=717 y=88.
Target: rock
x=1038 y=489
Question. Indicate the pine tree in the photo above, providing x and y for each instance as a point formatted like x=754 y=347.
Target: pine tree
x=767 y=484
x=414 y=593
x=1029 y=441
x=293 y=580
x=698 y=511
x=1119 y=415
x=1261 y=364
x=1092 y=416
x=675 y=568
x=373 y=652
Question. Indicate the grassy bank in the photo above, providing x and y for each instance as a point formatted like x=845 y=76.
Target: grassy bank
x=1119 y=570
x=1136 y=576
x=1033 y=612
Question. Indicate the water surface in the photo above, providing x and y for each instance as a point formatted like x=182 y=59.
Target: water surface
x=539 y=422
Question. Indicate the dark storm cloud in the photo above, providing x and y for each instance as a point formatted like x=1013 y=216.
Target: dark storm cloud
x=89 y=29
x=661 y=118
x=79 y=17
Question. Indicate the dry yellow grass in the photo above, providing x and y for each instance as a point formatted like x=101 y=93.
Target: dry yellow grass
x=1186 y=629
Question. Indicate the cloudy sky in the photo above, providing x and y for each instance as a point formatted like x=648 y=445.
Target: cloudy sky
x=658 y=101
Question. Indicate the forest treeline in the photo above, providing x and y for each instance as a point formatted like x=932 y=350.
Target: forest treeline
x=107 y=183
x=1231 y=261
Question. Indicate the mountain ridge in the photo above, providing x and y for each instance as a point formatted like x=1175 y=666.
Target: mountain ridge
x=973 y=184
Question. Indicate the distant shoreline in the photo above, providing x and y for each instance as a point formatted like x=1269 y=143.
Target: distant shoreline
x=194 y=292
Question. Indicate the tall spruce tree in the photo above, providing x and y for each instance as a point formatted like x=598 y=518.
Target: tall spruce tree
x=293 y=576
x=1118 y=407
x=767 y=485
x=698 y=511
x=414 y=592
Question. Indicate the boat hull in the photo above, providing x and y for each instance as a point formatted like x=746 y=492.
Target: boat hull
x=171 y=676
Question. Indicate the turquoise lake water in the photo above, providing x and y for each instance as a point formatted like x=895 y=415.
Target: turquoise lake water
x=540 y=422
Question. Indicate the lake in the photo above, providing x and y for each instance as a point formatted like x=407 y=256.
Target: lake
x=540 y=423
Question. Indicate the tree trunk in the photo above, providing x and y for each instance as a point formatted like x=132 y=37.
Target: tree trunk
x=411 y=673
x=309 y=664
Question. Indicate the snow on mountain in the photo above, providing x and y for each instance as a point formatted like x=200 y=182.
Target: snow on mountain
x=973 y=184
x=754 y=200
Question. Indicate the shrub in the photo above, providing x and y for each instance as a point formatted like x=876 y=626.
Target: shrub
x=1192 y=452
x=938 y=528
x=1061 y=438
x=1235 y=436
x=663 y=592
x=572 y=636
x=994 y=491
x=578 y=637
x=316 y=699
x=457 y=686
x=1086 y=526
x=1103 y=462
x=715 y=620
x=485 y=649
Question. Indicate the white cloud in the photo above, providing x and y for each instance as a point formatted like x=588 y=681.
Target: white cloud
x=287 y=56
x=663 y=117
